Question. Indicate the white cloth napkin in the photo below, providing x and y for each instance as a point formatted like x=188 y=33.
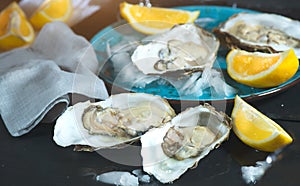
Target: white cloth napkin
x=34 y=80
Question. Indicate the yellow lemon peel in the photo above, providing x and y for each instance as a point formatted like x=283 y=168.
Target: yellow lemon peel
x=15 y=30
x=153 y=20
x=257 y=130
x=261 y=70
x=51 y=10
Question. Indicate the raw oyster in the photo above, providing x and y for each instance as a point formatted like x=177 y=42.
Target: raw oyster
x=119 y=119
x=186 y=142
x=169 y=151
x=184 y=48
x=260 y=32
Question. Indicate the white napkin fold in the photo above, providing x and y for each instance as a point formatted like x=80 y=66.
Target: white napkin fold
x=34 y=80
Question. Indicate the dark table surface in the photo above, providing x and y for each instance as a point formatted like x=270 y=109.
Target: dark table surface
x=34 y=159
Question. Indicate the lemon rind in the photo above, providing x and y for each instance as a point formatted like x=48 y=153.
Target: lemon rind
x=13 y=30
x=137 y=25
x=279 y=134
x=282 y=55
x=40 y=17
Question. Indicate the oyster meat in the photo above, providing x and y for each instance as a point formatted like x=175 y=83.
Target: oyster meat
x=186 y=142
x=260 y=32
x=184 y=48
x=168 y=152
x=119 y=119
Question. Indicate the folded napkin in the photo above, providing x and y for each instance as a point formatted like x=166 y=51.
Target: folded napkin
x=34 y=80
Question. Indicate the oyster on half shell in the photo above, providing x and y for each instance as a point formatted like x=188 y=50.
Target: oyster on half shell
x=182 y=49
x=168 y=152
x=260 y=32
x=120 y=119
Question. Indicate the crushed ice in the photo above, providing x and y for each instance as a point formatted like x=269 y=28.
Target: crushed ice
x=123 y=178
x=118 y=178
x=145 y=178
x=252 y=174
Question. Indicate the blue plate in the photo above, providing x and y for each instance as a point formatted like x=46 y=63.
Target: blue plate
x=210 y=17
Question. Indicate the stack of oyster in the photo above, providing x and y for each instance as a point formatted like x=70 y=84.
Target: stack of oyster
x=171 y=144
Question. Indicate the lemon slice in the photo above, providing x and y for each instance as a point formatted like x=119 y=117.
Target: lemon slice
x=261 y=70
x=51 y=10
x=153 y=20
x=257 y=130
x=15 y=30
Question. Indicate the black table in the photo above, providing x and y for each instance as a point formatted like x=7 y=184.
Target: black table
x=34 y=159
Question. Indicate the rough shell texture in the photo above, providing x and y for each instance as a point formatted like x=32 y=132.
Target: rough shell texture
x=166 y=169
x=260 y=32
x=69 y=128
x=183 y=48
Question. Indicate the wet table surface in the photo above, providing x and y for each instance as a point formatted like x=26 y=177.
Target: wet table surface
x=34 y=159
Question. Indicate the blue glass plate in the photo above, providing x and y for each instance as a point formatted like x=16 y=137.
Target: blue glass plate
x=210 y=17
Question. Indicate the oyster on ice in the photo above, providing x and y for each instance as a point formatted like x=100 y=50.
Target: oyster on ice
x=170 y=151
x=260 y=32
x=183 y=48
x=119 y=119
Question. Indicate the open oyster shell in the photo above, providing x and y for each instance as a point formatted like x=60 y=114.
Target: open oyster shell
x=184 y=48
x=167 y=169
x=260 y=32
x=120 y=119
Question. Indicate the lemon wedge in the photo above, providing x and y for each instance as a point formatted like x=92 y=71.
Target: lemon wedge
x=15 y=30
x=51 y=10
x=261 y=70
x=153 y=20
x=257 y=130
